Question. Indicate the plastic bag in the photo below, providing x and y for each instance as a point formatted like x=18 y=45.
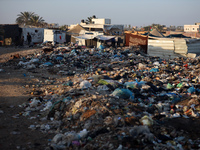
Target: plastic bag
x=191 y=90
x=169 y=86
x=123 y=93
x=146 y=120
x=85 y=84
x=107 y=82
x=135 y=84
x=132 y=85
x=180 y=85
x=154 y=70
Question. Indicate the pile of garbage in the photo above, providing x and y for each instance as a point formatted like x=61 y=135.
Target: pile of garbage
x=114 y=99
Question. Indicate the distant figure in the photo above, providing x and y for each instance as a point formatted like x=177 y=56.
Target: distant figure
x=29 y=38
x=22 y=41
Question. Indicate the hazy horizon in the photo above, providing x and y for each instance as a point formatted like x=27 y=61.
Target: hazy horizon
x=128 y=12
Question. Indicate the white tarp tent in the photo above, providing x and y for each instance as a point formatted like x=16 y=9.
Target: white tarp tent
x=81 y=39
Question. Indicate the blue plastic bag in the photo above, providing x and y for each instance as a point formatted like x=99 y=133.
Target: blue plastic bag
x=59 y=58
x=191 y=90
x=154 y=70
x=101 y=47
x=48 y=64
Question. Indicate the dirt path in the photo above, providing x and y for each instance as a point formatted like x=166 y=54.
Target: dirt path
x=14 y=130
x=6 y=52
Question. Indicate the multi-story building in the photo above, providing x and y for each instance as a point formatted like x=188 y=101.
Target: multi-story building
x=192 y=28
x=104 y=25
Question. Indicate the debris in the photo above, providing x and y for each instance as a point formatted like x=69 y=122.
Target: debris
x=94 y=96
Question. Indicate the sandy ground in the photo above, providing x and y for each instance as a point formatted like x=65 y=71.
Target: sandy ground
x=14 y=132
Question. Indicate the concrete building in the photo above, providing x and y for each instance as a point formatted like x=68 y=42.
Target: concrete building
x=104 y=25
x=191 y=28
x=101 y=21
x=97 y=32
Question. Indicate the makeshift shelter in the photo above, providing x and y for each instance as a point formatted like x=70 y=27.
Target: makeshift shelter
x=154 y=33
x=114 y=29
x=75 y=31
x=82 y=39
x=137 y=40
x=91 y=40
x=107 y=40
x=177 y=36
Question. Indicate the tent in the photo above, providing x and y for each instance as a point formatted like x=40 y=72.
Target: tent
x=84 y=39
x=75 y=30
x=81 y=40
x=154 y=33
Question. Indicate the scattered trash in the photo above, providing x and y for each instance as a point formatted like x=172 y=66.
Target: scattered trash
x=95 y=95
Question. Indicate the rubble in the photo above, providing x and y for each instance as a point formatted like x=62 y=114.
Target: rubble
x=113 y=99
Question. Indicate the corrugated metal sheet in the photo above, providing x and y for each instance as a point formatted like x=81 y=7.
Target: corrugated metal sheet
x=161 y=48
x=180 y=46
x=172 y=48
x=193 y=46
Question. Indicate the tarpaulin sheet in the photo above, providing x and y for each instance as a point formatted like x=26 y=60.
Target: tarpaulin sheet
x=105 y=38
x=86 y=37
x=136 y=40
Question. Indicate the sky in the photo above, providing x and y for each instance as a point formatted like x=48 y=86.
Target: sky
x=126 y=12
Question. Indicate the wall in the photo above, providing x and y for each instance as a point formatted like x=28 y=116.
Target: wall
x=54 y=36
x=37 y=34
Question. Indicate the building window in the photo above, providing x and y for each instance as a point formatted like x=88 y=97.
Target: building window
x=193 y=28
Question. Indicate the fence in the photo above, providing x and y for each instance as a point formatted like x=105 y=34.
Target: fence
x=171 y=48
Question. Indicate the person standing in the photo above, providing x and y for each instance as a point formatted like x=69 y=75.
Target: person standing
x=29 y=38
